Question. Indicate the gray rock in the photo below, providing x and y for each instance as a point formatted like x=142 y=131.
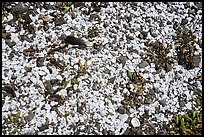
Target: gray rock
x=40 y=61
x=196 y=60
x=122 y=59
x=93 y=17
x=10 y=43
x=142 y=35
x=111 y=80
x=167 y=67
x=182 y=103
x=199 y=5
x=153 y=32
x=59 y=21
x=121 y=110
x=104 y=132
x=43 y=127
x=163 y=102
x=11 y=55
x=129 y=37
x=184 y=21
x=30 y=115
x=48 y=87
x=20 y=8
x=148 y=99
x=143 y=64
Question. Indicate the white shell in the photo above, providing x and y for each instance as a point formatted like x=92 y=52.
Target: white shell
x=135 y=122
x=62 y=92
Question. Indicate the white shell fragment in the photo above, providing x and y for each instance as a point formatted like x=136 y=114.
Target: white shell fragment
x=62 y=92
x=135 y=122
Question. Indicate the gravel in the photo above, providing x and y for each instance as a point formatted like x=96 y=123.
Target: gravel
x=127 y=80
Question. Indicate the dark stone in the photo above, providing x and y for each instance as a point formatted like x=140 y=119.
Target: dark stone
x=161 y=24
x=10 y=43
x=142 y=35
x=27 y=18
x=152 y=32
x=11 y=55
x=196 y=60
x=129 y=37
x=182 y=103
x=104 y=132
x=43 y=127
x=48 y=87
x=111 y=80
x=6 y=35
x=93 y=17
x=162 y=102
x=10 y=89
x=30 y=115
x=143 y=64
x=122 y=59
x=168 y=23
x=198 y=5
x=60 y=21
x=20 y=8
x=74 y=41
x=167 y=67
x=184 y=21
x=28 y=69
x=121 y=110
x=40 y=61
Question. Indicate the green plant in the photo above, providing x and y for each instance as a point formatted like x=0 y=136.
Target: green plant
x=188 y=124
x=17 y=119
x=157 y=53
x=185 y=48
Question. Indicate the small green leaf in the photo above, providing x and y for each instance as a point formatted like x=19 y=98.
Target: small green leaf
x=194 y=114
x=18 y=115
x=188 y=118
x=188 y=131
x=177 y=120
x=182 y=123
x=129 y=74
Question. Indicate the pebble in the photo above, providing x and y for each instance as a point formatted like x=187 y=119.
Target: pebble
x=10 y=43
x=196 y=60
x=121 y=110
x=122 y=59
x=163 y=102
x=143 y=64
x=135 y=122
x=59 y=21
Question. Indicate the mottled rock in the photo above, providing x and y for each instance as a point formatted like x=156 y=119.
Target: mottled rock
x=59 y=21
x=43 y=127
x=130 y=37
x=143 y=64
x=40 y=61
x=10 y=43
x=121 y=110
x=111 y=80
x=184 y=21
x=28 y=69
x=122 y=59
x=163 y=102
x=182 y=103
x=196 y=60
x=167 y=67
x=48 y=87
